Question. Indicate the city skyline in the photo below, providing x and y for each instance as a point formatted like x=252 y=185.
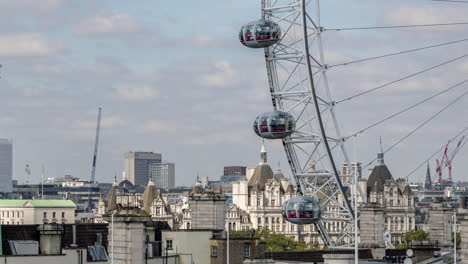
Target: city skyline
x=129 y=59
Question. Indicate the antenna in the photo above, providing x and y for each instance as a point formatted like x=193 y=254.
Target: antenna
x=381 y=148
x=42 y=182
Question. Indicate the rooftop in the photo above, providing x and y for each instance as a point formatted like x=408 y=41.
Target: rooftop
x=37 y=203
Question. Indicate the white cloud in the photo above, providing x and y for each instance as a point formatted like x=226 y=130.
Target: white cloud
x=223 y=75
x=107 y=122
x=202 y=40
x=426 y=15
x=27 y=44
x=43 y=5
x=236 y=137
x=136 y=93
x=113 y=23
x=32 y=103
x=464 y=67
x=158 y=126
x=7 y=121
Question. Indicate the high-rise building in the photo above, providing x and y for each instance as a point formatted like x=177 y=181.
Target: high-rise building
x=6 y=165
x=346 y=169
x=162 y=174
x=137 y=166
x=232 y=174
x=235 y=170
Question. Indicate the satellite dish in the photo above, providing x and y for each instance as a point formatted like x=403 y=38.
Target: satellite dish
x=410 y=253
x=408 y=261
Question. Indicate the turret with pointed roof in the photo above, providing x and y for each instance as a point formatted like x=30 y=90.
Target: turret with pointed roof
x=380 y=174
x=428 y=181
x=151 y=193
x=111 y=197
x=263 y=171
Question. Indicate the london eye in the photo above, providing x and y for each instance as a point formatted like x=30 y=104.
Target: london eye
x=304 y=116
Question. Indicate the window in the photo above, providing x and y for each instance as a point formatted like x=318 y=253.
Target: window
x=168 y=244
x=214 y=251
x=273 y=202
x=63 y=214
x=45 y=215
x=17 y=214
x=188 y=225
x=53 y=214
x=246 y=250
x=258 y=201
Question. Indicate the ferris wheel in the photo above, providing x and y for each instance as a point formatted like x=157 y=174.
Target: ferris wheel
x=303 y=117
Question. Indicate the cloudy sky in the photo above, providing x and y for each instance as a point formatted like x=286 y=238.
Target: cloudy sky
x=171 y=77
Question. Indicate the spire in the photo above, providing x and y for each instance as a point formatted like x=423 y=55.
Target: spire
x=263 y=154
x=380 y=156
x=428 y=182
x=150 y=182
x=115 y=180
x=149 y=195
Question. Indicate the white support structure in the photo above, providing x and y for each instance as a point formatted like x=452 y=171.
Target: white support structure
x=297 y=75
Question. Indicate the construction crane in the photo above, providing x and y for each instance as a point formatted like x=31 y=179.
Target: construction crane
x=93 y=169
x=446 y=161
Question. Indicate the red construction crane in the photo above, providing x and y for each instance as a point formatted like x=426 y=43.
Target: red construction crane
x=441 y=163
x=446 y=161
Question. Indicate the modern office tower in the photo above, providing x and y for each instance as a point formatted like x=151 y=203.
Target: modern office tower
x=6 y=165
x=163 y=174
x=232 y=174
x=348 y=172
x=235 y=170
x=137 y=166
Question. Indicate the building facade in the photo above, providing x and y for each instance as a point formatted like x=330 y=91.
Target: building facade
x=6 y=165
x=162 y=174
x=31 y=212
x=137 y=166
x=395 y=197
x=257 y=201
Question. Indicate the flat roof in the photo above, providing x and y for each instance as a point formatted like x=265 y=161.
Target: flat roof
x=37 y=203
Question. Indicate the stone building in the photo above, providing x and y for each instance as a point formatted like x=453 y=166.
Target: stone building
x=395 y=197
x=151 y=201
x=29 y=212
x=257 y=201
x=206 y=210
x=240 y=250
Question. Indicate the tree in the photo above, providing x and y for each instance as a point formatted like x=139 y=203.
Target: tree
x=415 y=235
x=274 y=241
x=458 y=239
